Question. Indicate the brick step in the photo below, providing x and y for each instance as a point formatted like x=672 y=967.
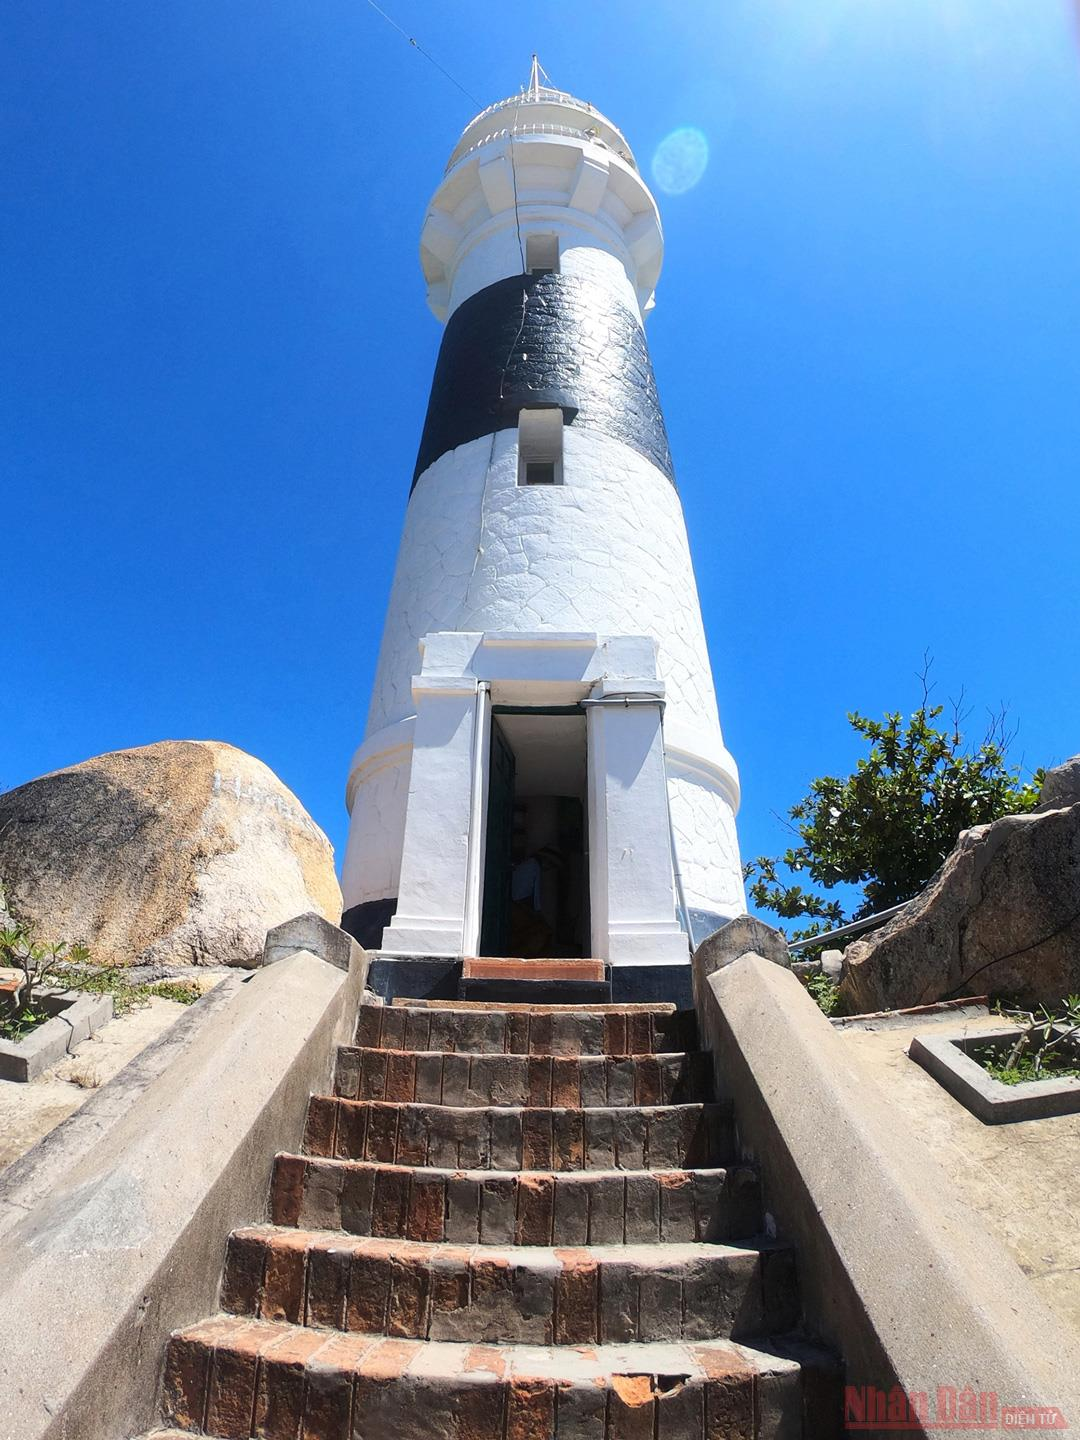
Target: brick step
x=434 y=1077
x=531 y=1294
x=624 y=1007
x=498 y=1137
x=238 y=1378
x=527 y=1030
x=524 y=1207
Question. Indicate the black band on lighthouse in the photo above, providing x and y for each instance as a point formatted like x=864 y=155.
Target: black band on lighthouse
x=575 y=346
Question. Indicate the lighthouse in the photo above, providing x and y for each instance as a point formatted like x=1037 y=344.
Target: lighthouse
x=543 y=770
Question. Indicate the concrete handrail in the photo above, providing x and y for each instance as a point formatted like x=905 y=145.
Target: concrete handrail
x=112 y=1231
x=895 y=1271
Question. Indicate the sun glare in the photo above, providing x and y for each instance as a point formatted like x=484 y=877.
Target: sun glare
x=680 y=160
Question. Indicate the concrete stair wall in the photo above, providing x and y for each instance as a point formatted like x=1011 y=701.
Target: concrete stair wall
x=508 y=1223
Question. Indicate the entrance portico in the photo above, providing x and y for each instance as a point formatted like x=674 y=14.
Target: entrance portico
x=632 y=901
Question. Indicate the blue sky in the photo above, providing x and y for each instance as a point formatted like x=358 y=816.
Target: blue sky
x=217 y=354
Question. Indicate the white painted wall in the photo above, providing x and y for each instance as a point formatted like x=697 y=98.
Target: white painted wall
x=435 y=859
x=706 y=844
x=591 y=197
x=587 y=251
x=371 y=869
x=632 y=894
x=606 y=552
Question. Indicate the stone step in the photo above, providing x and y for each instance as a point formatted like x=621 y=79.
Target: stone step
x=523 y=1207
x=496 y=980
x=528 y=1030
x=490 y=967
x=498 y=1137
x=499 y=991
x=236 y=1378
x=435 y=1077
x=524 y=1294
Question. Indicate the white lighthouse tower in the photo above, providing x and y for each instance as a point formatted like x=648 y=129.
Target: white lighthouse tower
x=543 y=770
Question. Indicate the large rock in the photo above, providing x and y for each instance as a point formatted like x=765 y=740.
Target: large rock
x=1001 y=917
x=1061 y=786
x=185 y=852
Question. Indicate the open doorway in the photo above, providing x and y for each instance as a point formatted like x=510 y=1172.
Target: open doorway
x=536 y=890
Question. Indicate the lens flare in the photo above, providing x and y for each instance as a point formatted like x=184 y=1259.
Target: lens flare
x=680 y=160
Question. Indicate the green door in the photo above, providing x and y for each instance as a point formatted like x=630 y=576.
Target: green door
x=495 y=918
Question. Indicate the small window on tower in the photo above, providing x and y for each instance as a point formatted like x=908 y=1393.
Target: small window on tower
x=540 y=446
x=542 y=254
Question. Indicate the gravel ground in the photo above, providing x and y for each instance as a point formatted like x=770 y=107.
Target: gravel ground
x=29 y=1111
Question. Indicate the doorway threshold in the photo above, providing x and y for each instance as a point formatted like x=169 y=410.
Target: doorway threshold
x=539 y=981
x=437 y=977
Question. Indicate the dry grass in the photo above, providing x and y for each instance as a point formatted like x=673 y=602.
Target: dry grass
x=80 y=1072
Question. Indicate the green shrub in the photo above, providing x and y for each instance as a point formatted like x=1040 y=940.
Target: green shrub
x=888 y=826
x=825 y=993
x=1045 y=1049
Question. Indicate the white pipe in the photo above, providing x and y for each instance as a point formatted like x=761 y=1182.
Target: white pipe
x=680 y=893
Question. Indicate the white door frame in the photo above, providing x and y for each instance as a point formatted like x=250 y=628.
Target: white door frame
x=632 y=900
x=477 y=860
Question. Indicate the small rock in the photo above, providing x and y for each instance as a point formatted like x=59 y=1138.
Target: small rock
x=739 y=937
x=832 y=963
x=806 y=968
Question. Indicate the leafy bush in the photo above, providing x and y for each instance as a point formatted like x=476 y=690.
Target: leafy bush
x=1045 y=1049
x=15 y=1024
x=889 y=825
x=825 y=993
x=39 y=961
x=126 y=996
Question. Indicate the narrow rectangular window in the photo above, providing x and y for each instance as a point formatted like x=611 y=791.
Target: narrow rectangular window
x=539 y=472
x=542 y=254
x=540 y=446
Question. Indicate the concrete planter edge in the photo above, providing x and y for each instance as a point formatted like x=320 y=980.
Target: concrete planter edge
x=76 y=1018
x=945 y=1057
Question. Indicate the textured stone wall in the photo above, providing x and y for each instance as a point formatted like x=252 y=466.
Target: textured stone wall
x=588 y=250
x=706 y=845
x=372 y=864
x=563 y=340
x=606 y=551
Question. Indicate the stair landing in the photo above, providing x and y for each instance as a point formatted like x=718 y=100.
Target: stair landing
x=507 y=968
x=508 y=978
